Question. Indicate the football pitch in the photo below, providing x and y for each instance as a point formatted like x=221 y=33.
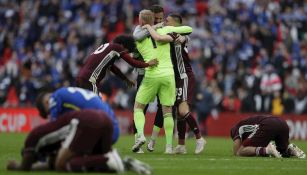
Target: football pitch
x=216 y=159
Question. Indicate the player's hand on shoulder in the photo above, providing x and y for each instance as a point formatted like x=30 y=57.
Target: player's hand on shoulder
x=146 y=26
x=153 y=62
x=180 y=39
x=12 y=165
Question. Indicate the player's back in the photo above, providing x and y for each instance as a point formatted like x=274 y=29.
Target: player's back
x=73 y=98
x=68 y=99
x=50 y=134
x=258 y=119
x=250 y=121
x=100 y=60
x=181 y=60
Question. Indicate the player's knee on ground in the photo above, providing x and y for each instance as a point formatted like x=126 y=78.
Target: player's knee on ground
x=246 y=151
x=62 y=158
x=239 y=152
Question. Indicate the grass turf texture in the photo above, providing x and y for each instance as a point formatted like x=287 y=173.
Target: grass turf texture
x=216 y=159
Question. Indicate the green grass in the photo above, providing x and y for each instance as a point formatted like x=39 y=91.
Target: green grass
x=216 y=159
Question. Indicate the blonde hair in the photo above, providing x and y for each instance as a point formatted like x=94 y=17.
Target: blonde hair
x=147 y=16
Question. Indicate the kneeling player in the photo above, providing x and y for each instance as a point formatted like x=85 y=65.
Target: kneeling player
x=66 y=99
x=252 y=137
x=79 y=143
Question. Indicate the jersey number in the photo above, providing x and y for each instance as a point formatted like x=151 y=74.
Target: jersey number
x=101 y=48
x=86 y=94
x=179 y=91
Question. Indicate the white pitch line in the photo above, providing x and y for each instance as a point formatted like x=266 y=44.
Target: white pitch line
x=179 y=158
x=233 y=168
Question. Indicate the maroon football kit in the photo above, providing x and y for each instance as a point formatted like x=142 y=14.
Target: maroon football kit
x=102 y=59
x=184 y=76
x=258 y=131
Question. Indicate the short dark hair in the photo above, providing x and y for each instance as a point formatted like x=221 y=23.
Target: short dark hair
x=39 y=103
x=176 y=17
x=126 y=41
x=27 y=64
x=156 y=8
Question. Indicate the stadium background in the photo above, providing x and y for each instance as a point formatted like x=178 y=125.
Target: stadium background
x=44 y=42
x=249 y=56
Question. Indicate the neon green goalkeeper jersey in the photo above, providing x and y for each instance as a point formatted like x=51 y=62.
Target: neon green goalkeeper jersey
x=150 y=49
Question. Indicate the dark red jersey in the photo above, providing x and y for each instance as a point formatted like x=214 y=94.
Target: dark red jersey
x=184 y=76
x=103 y=58
x=181 y=61
x=87 y=128
x=251 y=121
x=258 y=131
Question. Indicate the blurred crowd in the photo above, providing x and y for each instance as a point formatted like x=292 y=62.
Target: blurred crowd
x=248 y=55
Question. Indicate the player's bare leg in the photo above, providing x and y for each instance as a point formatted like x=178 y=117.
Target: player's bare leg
x=185 y=116
x=181 y=128
x=139 y=119
x=65 y=153
x=63 y=156
x=168 y=124
x=152 y=142
x=158 y=124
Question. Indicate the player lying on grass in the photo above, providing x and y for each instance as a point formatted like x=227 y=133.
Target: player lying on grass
x=78 y=141
x=104 y=57
x=185 y=83
x=252 y=137
x=52 y=105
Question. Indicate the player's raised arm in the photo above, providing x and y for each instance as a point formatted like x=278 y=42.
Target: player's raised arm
x=173 y=25
x=156 y=36
x=140 y=33
x=183 y=30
